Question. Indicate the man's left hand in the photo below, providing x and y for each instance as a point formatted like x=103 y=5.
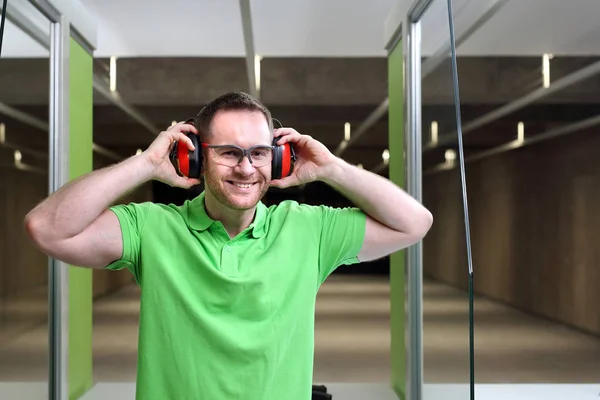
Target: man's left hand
x=313 y=158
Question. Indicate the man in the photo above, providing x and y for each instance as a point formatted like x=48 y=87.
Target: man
x=228 y=285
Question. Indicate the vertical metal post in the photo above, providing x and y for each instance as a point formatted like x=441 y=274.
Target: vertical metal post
x=58 y=324
x=413 y=183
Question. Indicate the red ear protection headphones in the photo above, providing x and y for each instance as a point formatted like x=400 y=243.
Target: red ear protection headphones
x=189 y=163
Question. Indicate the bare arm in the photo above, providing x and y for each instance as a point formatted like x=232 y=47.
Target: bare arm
x=395 y=219
x=74 y=224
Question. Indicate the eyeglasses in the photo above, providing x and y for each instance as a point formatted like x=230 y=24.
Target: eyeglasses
x=231 y=155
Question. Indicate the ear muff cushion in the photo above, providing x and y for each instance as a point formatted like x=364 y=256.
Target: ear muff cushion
x=276 y=163
x=195 y=157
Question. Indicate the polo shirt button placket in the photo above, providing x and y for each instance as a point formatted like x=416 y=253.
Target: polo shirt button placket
x=227 y=263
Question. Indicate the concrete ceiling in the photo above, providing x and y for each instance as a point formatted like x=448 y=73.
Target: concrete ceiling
x=324 y=64
x=534 y=27
x=208 y=28
x=321 y=28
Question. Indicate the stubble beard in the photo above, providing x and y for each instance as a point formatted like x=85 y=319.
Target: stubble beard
x=221 y=190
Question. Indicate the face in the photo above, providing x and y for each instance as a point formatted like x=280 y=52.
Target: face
x=243 y=186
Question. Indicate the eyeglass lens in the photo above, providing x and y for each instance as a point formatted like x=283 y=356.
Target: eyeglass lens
x=232 y=155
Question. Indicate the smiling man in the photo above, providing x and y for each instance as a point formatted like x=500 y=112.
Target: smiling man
x=233 y=188
x=228 y=284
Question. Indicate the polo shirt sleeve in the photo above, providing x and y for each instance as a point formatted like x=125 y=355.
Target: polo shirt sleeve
x=132 y=218
x=341 y=237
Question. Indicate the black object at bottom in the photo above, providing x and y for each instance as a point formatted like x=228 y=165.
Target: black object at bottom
x=319 y=392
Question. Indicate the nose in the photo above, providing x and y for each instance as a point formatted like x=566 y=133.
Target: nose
x=245 y=167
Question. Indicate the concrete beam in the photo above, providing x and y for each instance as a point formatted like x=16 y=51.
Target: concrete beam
x=335 y=116
x=115 y=135
x=306 y=81
x=251 y=70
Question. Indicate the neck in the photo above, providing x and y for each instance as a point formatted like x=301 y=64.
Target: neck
x=234 y=221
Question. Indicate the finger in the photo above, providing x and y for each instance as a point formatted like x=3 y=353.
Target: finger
x=289 y=137
x=187 y=183
x=187 y=140
x=284 y=182
x=278 y=183
x=175 y=136
x=192 y=182
x=284 y=131
x=176 y=133
x=175 y=125
x=182 y=127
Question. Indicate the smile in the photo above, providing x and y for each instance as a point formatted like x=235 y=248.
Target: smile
x=241 y=185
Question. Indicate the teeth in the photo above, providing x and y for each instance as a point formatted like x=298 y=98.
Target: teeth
x=243 y=185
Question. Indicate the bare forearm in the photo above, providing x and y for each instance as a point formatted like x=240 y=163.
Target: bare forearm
x=71 y=209
x=378 y=197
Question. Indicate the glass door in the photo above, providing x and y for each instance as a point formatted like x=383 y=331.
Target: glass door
x=24 y=179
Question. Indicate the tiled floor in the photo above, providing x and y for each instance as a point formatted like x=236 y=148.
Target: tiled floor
x=349 y=391
x=353 y=340
x=510 y=346
x=440 y=391
x=339 y=391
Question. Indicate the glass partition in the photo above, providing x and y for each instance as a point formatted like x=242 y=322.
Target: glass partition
x=24 y=179
x=534 y=176
x=445 y=302
x=529 y=79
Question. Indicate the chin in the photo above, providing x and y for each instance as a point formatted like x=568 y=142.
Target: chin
x=243 y=198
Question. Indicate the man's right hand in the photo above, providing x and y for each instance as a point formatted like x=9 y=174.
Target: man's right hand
x=157 y=154
x=75 y=225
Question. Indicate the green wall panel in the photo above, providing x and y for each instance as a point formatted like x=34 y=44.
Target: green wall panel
x=396 y=171
x=80 y=163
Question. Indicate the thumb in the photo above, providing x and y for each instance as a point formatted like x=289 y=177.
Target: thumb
x=186 y=183
x=284 y=182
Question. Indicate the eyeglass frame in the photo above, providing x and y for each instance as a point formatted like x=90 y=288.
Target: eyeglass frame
x=245 y=151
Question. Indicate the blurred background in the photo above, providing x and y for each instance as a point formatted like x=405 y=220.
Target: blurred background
x=529 y=76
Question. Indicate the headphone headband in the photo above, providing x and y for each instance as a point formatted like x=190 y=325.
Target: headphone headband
x=191 y=119
x=189 y=163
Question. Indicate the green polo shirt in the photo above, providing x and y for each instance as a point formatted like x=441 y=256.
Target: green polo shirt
x=226 y=318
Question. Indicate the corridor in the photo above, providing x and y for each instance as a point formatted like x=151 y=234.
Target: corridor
x=353 y=339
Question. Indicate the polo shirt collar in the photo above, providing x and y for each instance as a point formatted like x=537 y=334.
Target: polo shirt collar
x=199 y=220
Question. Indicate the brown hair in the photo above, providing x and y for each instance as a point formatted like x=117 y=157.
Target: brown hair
x=226 y=102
